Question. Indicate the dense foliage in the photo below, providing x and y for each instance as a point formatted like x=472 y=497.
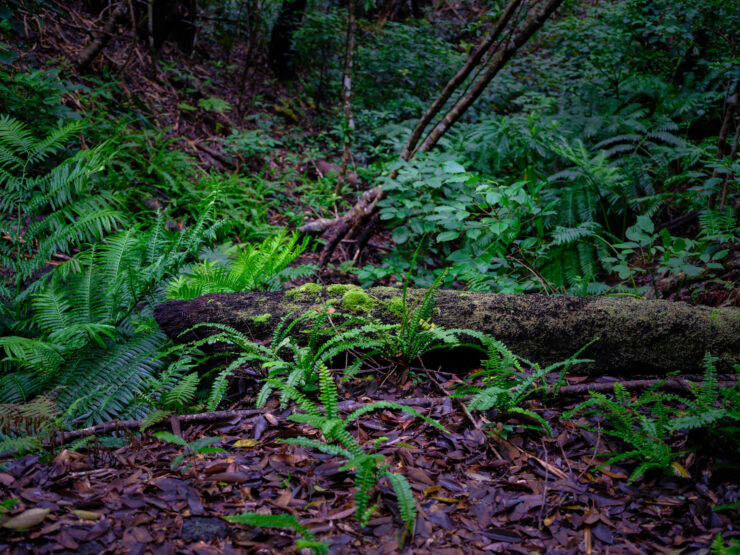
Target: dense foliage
x=594 y=164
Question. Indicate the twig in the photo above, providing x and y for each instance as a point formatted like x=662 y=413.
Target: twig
x=679 y=385
x=544 y=489
x=132 y=424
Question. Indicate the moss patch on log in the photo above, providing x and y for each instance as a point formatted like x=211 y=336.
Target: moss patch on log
x=356 y=300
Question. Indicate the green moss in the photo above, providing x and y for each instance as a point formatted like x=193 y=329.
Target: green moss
x=356 y=300
x=394 y=306
x=339 y=289
x=260 y=318
x=305 y=290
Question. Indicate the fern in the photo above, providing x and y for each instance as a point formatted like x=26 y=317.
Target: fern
x=369 y=468
x=506 y=386
x=633 y=422
x=57 y=201
x=90 y=336
x=405 y=498
x=318 y=445
x=183 y=393
x=218 y=389
x=284 y=521
x=19 y=445
x=366 y=476
x=714 y=409
x=256 y=267
x=328 y=392
x=291 y=364
x=382 y=405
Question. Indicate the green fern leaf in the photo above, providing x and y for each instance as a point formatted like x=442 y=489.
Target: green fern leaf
x=405 y=498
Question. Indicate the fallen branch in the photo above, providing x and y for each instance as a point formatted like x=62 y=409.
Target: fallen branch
x=119 y=425
x=635 y=336
x=93 y=49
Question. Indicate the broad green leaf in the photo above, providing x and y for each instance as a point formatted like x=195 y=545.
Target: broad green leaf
x=401 y=235
x=448 y=236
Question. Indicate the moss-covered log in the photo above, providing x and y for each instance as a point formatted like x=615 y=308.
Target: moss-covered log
x=635 y=336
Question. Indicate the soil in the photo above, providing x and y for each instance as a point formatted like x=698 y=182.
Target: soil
x=489 y=485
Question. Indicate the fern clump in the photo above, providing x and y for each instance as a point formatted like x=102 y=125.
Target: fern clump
x=91 y=334
x=290 y=362
x=257 y=267
x=713 y=409
x=369 y=467
x=47 y=206
x=642 y=423
x=507 y=386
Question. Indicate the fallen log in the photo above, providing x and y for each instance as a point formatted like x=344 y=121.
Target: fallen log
x=636 y=336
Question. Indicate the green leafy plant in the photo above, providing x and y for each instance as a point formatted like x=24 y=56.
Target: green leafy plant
x=643 y=423
x=35 y=96
x=296 y=364
x=91 y=334
x=284 y=521
x=173 y=391
x=507 y=386
x=46 y=207
x=190 y=449
x=7 y=505
x=256 y=267
x=416 y=335
x=369 y=468
x=719 y=547
x=713 y=409
x=24 y=427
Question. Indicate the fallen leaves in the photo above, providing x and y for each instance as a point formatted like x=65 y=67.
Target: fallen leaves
x=475 y=492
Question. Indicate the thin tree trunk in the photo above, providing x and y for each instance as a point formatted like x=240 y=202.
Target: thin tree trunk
x=453 y=84
x=498 y=61
x=347 y=94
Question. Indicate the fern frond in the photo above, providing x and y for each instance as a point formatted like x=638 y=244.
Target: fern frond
x=286 y=521
x=108 y=381
x=18 y=387
x=534 y=416
x=327 y=448
x=52 y=310
x=316 y=420
x=328 y=394
x=382 y=405
x=20 y=445
x=218 y=389
x=182 y=394
x=405 y=498
x=365 y=479
x=154 y=417
x=296 y=396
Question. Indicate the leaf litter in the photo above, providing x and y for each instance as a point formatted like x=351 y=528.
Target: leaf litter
x=476 y=491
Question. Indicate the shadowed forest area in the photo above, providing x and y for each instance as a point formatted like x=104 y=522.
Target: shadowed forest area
x=369 y=276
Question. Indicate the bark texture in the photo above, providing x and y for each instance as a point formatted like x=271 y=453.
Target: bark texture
x=635 y=336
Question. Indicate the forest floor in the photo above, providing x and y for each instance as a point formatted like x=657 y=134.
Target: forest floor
x=479 y=488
